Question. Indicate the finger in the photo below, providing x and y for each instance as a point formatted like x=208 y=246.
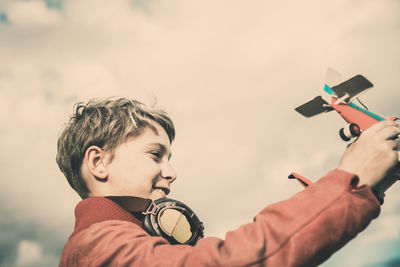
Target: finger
x=381 y=125
x=392 y=144
x=389 y=132
x=398 y=151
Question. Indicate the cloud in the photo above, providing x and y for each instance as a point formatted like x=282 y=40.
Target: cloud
x=386 y=229
x=31 y=14
x=28 y=253
x=25 y=241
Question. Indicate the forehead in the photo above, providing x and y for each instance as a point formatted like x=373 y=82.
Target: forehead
x=151 y=135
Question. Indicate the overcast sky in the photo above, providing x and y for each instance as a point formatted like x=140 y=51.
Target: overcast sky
x=229 y=72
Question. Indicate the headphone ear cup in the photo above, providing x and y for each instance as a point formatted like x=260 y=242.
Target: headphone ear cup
x=148 y=226
x=149 y=221
x=152 y=226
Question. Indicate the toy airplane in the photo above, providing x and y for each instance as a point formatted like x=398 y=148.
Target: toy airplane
x=358 y=118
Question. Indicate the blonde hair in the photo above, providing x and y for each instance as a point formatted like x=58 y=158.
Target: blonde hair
x=104 y=123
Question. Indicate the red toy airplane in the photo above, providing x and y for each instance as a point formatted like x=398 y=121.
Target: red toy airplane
x=342 y=96
x=358 y=118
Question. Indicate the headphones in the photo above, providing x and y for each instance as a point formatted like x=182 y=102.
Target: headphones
x=164 y=217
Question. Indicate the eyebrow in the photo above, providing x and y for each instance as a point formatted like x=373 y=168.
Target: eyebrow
x=162 y=147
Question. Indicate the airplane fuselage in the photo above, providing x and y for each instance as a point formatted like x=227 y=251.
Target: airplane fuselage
x=352 y=113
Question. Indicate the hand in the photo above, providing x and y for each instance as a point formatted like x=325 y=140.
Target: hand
x=373 y=154
x=389 y=179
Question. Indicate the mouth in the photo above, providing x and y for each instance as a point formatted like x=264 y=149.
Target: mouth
x=163 y=190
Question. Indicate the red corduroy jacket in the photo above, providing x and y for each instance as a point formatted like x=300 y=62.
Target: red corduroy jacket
x=303 y=230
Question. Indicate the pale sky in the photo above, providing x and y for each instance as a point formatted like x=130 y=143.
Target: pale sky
x=230 y=73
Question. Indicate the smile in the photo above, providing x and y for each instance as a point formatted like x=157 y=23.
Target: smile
x=162 y=190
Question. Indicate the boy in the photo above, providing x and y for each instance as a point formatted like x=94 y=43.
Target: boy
x=120 y=147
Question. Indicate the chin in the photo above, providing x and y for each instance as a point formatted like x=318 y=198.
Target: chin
x=157 y=195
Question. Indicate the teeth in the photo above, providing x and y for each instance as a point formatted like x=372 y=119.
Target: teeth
x=160 y=190
x=164 y=191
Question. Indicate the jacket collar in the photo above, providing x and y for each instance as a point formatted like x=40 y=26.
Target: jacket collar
x=98 y=209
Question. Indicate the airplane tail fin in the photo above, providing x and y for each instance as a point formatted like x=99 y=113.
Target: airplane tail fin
x=333 y=77
x=313 y=107
x=302 y=180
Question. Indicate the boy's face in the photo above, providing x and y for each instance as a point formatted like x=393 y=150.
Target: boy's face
x=141 y=166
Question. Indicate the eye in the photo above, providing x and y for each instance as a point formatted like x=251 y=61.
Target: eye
x=156 y=155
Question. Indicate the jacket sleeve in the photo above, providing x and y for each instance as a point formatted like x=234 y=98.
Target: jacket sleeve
x=303 y=230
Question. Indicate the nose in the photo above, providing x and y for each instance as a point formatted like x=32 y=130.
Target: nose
x=168 y=173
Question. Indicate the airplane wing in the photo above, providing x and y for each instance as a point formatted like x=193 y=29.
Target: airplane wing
x=352 y=87
x=313 y=107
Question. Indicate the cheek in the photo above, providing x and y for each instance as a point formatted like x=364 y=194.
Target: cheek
x=140 y=172
x=121 y=170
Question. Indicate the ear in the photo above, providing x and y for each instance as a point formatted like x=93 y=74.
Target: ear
x=96 y=160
